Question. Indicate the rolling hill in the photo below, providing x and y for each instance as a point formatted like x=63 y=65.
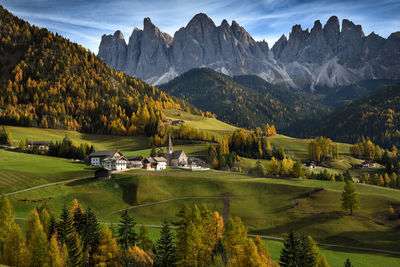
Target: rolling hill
x=246 y=101
x=49 y=82
x=376 y=117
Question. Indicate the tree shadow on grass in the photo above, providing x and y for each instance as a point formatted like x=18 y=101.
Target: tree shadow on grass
x=129 y=192
x=299 y=223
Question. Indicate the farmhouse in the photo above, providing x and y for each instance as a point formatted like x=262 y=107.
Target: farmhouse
x=98 y=156
x=135 y=161
x=40 y=145
x=115 y=163
x=155 y=163
x=109 y=159
x=178 y=122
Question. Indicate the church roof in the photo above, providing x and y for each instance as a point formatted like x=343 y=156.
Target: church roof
x=177 y=154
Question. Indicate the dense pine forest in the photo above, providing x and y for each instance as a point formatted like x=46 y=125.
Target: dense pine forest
x=246 y=101
x=376 y=117
x=202 y=238
x=47 y=81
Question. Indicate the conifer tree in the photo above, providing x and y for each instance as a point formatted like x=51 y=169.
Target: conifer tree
x=307 y=258
x=91 y=232
x=165 y=247
x=126 y=232
x=55 y=256
x=350 y=199
x=290 y=253
x=6 y=220
x=68 y=235
x=108 y=252
x=36 y=240
x=322 y=261
x=15 y=252
x=348 y=263
x=143 y=239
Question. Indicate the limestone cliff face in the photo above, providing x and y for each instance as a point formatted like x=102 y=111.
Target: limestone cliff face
x=322 y=56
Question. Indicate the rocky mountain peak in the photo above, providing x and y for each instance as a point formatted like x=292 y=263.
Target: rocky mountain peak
x=119 y=35
x=323 y=56
x=349 y=26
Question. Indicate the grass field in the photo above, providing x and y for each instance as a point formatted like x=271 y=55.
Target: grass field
x=198 y=122
x=336 y=257
x=272 y=211
x=19 y=170
x=268 y=206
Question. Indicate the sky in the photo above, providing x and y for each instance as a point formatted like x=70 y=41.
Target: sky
x=85 y=22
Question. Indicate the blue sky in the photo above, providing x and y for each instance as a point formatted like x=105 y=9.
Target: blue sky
x=85 y=22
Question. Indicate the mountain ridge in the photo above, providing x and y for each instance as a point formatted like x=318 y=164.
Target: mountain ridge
x=326 y=55
x=245 y=100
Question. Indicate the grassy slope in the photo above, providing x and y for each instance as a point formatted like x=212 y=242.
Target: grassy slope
x=19 y=171
x=270 y=199
x=198 y=122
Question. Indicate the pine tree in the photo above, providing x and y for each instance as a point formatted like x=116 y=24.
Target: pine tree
x=36 y=240
x=153 y=152
x=165 y=247
x=290 y=253
x=350 y=199
x=108 y=253
x=91 y=232
x=55 y=256
x=15 y=252
x=126 y=232
x=348 y=263
x=78 y=219
x=322 y=261
x=69 y=236
x=6 y=220
x=307 y=258
x=143 y=239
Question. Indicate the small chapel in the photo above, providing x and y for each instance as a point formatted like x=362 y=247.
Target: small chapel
x=175 y=158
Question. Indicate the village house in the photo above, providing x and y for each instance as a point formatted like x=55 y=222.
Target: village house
x=109 y=159
x=40 y=145
x=178 y=122
x=167 y=121
x=155 y=163
x=135 y=161
x=175 y=158
x=368 y=164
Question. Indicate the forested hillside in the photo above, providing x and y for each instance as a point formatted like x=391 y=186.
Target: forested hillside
x=47 y=81
x=246 y=101
x=376 y=117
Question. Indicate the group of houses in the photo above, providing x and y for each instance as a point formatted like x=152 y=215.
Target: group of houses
x=114 y=160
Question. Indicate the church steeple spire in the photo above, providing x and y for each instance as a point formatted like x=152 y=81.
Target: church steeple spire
x=170 y=149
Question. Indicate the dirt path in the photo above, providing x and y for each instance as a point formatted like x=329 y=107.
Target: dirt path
x=43 y=185
x=224 y=197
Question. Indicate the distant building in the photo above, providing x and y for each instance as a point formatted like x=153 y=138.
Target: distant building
x=135 y=161
x=40 y=145
x=98 y=156
x=110 y=159
x=155 y=163
x=178 y=122
x=115 y=163
x=167 y=121
x=368 y=164
x=175 y=158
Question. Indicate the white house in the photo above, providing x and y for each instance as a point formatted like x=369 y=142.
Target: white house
x=112 y=160
x=115 y=164
x=155 y=163
x=98 y=156
x=161 y=163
